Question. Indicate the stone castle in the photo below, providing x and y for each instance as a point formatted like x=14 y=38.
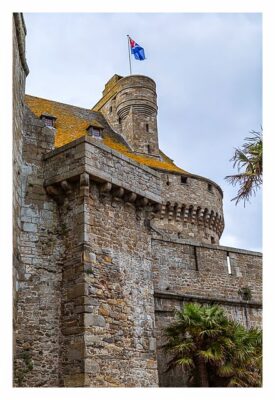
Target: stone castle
x=110 y=236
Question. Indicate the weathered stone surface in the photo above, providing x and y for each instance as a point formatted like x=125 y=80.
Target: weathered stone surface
x=104 y=256
x=94 y=320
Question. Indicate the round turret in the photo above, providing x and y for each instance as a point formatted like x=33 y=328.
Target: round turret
x=131 y=109
x=192 y=208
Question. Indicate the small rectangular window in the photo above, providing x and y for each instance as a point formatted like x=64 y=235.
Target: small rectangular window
x=210 y=187
x=147 y=127
x=149 y=148
x=212 y=240
x=110 y=109
x=183 y=180
x=48 y=121
x=95 y=132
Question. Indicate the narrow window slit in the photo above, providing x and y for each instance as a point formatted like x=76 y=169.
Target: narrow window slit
x=228 y=264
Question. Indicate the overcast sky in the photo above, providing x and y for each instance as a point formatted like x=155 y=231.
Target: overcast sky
x=208 y=71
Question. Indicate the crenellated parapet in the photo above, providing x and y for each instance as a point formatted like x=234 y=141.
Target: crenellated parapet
x=191 y=208
x=192 y=214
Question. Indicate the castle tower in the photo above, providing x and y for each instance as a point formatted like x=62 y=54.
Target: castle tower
x=192 y=205
x=130 y=106
x=110 y=237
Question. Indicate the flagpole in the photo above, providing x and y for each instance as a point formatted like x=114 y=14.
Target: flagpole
x=129 y=53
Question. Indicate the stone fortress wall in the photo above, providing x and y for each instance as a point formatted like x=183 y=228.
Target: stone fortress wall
x=105 y=250
x=184 y=272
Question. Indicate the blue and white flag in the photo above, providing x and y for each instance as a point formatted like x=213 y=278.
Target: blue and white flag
x=137 y=50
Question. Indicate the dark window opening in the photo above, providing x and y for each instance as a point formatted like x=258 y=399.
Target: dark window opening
x=212 y=240
x=111 y=109
x=147 y=127
x=210 y=187
x=119 y=121
x=49 y=120
x=95 y=131
x=149 y=148
x=183 y=180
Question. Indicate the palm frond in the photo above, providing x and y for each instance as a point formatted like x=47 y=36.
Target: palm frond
x=249 y=162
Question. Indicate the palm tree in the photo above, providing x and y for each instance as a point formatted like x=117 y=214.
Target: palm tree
x=195 y=339
x=242 y=364
x=212 y=349
x=249 y=161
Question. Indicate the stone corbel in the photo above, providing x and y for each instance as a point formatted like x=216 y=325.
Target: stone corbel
x=55 y=193
x=105 y=187
x=118 y=193
x=212 y=222
x=193 y=215
x=186 y=214
x=208 y=218
x=162 y=211
x=142 y=202
x=170 y=212
x=53 y=190
x=130 y=197
x=67 y=188
x=178 y=212
x=201 y=215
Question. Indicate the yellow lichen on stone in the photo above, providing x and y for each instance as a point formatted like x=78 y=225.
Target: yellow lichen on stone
x=70 y=125
x=166 y=165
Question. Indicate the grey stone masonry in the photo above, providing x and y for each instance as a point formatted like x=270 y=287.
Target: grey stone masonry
x=88 y=155
x=105 y=248
x=186 y=272
x=203 y=270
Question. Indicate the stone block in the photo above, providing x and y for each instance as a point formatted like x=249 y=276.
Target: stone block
x=94 y=320
x=76 y=380
x=91 y=366
x=29 y=227
x=152 y=344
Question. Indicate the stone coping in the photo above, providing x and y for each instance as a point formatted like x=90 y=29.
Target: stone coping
x=204 y=299
x=209 y=246
x=96 y=143
x=21 y=32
